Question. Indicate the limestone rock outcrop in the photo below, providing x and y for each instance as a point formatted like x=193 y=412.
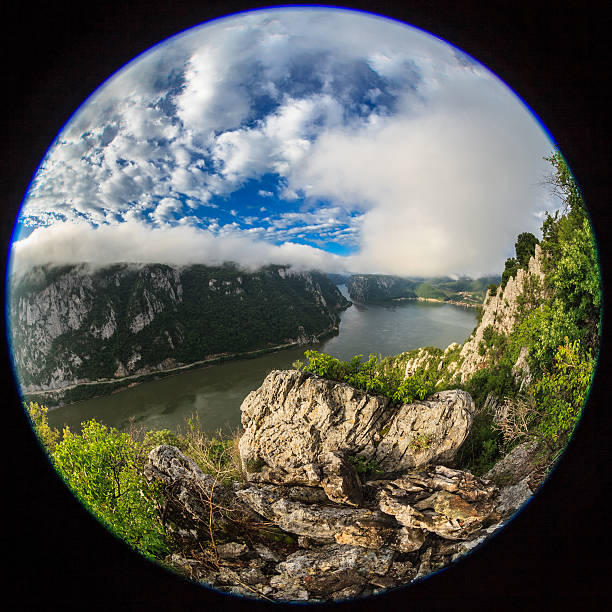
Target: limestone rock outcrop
x=331 y=570
x=426 y=432
x=326 y=522
x=398 y=529
x=450 y=503
x=295 y=422
x=500 y=312
x=190 y=495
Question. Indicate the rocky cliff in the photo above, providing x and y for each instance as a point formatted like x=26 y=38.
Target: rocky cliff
x=500 y=309
x=75 y=324
x=500 y=312
x=359 y=487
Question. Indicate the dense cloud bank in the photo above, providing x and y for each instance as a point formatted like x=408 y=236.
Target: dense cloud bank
x=289 y=135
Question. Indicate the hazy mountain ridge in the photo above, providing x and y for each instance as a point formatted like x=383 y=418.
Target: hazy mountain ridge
x=366 y=288
x=75 y=324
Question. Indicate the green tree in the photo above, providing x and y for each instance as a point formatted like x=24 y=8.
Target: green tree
x=510 y=269
x=47 y=435
x=561 y=393
x=104 y=469
x=525 y=248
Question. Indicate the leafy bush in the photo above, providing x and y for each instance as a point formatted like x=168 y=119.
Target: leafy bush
x=481 y=448
x=47 y=435
x=510 y=269
x=104 y=468
x=561 y=393
x=496 y=380
x=158 y=437
x=363 y=465
x=373 y=376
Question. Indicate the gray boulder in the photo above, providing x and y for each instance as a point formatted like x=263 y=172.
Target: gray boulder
x=426 y=432
x=520 y=462
x=190 y=495
x=450 y=503
x=295 y=420
x=335 y=571
x=302 y=515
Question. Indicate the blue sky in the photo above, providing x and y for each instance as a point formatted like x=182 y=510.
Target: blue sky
x=314 y=137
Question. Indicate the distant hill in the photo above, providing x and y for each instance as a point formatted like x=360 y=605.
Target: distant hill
x=364 y=288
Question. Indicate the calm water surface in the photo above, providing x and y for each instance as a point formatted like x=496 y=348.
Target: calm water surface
x=216 y=392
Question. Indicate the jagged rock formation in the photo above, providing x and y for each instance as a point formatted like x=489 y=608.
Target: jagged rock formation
x=295 y=422
x=450 y=503
x=351 y=533
x=192 y=497
x=457 y=363
x=301 y=511
x=403 y=528
x=499 y=312
x=75 y=324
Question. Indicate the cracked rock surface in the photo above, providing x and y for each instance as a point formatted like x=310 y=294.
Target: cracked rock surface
x=339 y=533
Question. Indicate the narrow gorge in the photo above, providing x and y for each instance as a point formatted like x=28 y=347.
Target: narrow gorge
x=76 y=326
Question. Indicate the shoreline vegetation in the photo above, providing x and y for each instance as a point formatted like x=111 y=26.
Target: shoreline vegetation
x=437 y=301
x=137 y=379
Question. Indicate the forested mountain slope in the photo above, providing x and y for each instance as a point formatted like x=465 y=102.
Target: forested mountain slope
x=365 y=288
x=75 y=324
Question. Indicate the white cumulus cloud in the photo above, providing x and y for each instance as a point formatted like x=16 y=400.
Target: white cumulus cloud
x=136 y=242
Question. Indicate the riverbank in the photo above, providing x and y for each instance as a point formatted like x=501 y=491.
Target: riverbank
x=435 y=300
x=215 y=394
x=72 y=394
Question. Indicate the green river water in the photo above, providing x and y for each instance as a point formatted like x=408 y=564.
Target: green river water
x=216 y=392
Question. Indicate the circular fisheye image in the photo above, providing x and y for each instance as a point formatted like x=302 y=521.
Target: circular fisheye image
x=303 y=304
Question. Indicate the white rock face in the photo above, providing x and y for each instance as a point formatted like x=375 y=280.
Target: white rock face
x=428 y=431
x=108 y=328
x=294 y=419
x=499 y=312
x=150 y=306
x=76 y=301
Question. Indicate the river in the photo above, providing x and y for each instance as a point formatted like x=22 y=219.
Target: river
x=216 y=392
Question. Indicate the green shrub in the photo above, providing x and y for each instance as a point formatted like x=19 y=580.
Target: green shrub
x=481 y=448
x=323 y=365
x=155 y=438
x=375 y=375
x=363 y=465
x=497 y=380
x=104 y=469
x=414 y=387
x=561 y=393
x=510 y=270
x=47 y=435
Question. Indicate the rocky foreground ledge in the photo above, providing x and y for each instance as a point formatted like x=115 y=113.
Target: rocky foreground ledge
x=349 y=532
